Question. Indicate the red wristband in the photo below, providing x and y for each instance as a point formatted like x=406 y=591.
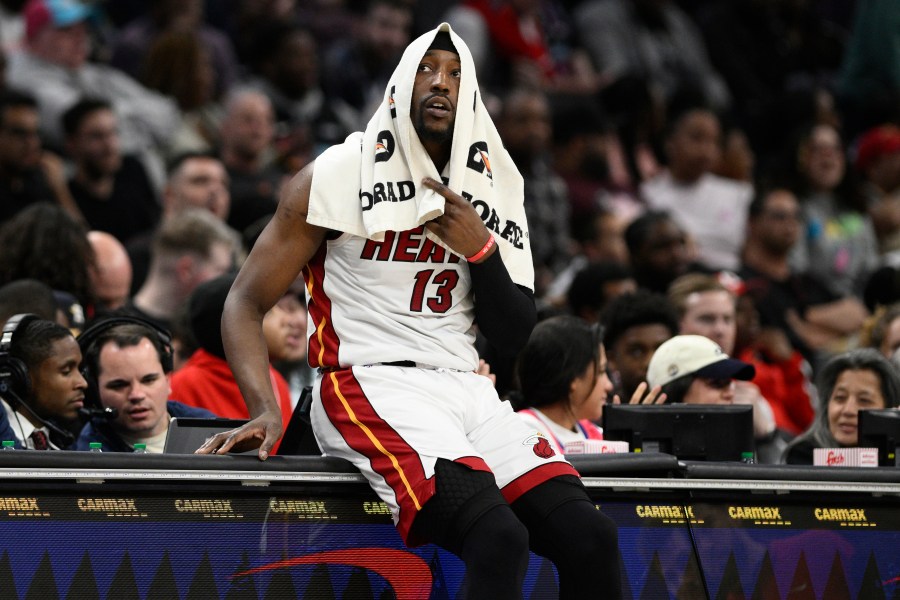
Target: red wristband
x=484 y=250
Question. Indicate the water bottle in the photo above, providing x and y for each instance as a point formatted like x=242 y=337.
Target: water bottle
x=96 y=447
x=9 y=444
x=140 y=448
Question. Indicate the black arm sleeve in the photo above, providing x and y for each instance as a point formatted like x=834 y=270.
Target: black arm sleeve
x=505 y=312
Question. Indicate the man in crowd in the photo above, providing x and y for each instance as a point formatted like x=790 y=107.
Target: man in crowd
x=127 y=365
x=196 y=180
x=816 y=321
x=41 y=386
x=28 y=174
x=110 y=273
x=189 y=248
x=112 y=190
x=54 y=63
x=635 y=325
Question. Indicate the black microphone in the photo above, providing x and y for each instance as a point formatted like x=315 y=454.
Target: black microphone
x=104 y=414
x=67 y=437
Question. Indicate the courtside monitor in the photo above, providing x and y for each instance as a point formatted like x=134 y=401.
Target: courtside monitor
x=687 y=431
x=880 y=428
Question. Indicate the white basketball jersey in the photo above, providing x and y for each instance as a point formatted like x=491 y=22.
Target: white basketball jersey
x=403 y=299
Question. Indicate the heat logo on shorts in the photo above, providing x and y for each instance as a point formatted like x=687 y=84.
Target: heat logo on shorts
x=540 y=446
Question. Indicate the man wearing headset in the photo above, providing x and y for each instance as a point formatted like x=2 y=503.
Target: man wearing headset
x=41 y=387
x=127 y=366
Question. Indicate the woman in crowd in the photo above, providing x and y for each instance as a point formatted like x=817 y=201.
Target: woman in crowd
x=563 y=383
x=839 y=246
x=849 y=382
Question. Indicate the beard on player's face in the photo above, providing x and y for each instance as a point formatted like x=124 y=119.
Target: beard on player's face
x=433 y=133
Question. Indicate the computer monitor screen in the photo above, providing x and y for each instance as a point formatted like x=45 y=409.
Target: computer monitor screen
x=688 y=431
x=880 y=428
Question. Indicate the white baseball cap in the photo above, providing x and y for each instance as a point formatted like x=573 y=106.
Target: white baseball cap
x=694 y=355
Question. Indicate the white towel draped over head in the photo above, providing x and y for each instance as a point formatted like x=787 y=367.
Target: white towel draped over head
x=372 y=182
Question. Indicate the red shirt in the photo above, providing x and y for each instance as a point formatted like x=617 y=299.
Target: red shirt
x=206 y=381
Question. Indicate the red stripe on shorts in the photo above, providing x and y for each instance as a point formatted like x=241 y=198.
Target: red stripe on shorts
x=533 y=478
x=476 y=463
x=390 y=456
x=324 y=342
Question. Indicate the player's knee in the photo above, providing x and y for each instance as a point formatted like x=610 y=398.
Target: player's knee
x=496 y=538
x=600 y=536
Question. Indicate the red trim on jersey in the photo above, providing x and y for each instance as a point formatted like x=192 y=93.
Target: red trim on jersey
x=390 y=456
x=533 y=478
x=476 y=463
x=324 y=342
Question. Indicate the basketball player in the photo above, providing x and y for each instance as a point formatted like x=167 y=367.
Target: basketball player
x=397 y=394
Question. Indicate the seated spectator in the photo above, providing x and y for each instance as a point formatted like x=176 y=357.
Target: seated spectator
x=357 y=67
x=27 y=295
x=189 y=247
x=878 y=162
x=286 y=55
x=693 y=369
x=43 y=242
x=849 y=382
x=247 y=150
x=706 y=307
x=206 y=380
x=135 y=40
x=839 y=246
x=127 y=364
x=42 y=388
x=54 y=65
x=636 y=325
x=28 y=173
x=659 y=250
x=652 y=39
x=816 y=321
x=111 y=272
x=564 y=383
x=112 y=190
x=287 y=344
x=711 y=209
x=525 y=125
x=524 y=43
x=595 y=286
x=196 y=180
x=597 y=238
x=782 y=374
x=178 y=66
x=581 y=141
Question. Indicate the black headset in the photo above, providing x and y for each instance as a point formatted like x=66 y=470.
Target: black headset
x=15 y=382
x=89 y=337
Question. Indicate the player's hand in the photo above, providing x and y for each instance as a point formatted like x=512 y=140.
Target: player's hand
x=261 y=432
x=459 y=227
x=642 y=396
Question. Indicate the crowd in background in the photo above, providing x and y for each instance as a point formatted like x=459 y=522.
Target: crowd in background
x=726 y=169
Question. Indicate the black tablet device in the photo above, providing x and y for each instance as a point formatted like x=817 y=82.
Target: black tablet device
x=186 y=434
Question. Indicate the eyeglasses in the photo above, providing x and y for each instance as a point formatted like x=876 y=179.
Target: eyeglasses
x=721 y=383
